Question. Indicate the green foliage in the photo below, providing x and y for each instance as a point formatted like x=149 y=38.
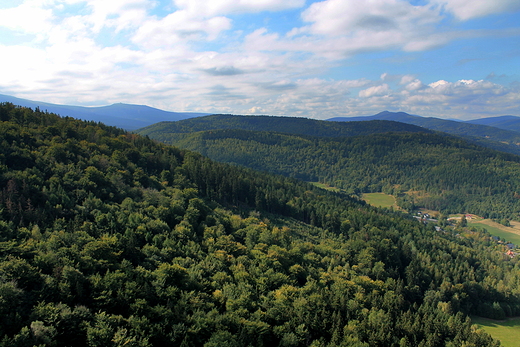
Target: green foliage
x=473 y=131
x=290 y=125
x=111 y=239
x=440 y=172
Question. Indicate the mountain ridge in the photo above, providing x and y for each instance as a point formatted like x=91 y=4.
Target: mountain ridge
x=289 y=125
x=502 y=122
x=506 y=140
x=132 y=117
x=125 y=116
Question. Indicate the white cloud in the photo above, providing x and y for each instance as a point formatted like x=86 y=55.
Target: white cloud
x=29 y=17
x=119 y=14
x=339 y=29
x=30 y=58
x=256 y=110
x=468 y=9
x=52 y=22
x=382 y=89
x=163 y=61
x=414 y=85
x=179 y=26
x=340 y=17
x=428 y=42
x=218 y=7
x=464 y=87
x=359 y=83
x=465 y=99
x=196 y=20
x=407 y=79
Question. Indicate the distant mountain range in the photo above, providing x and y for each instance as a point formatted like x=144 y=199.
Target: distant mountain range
x=502 y=122
x=125 y=116
x=500 y=133
x=484 y=127
x=485 y=131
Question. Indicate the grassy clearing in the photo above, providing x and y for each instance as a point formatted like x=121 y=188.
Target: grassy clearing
x=495 y=229
x=379 y=200
x=507 y=331
x=325 y=186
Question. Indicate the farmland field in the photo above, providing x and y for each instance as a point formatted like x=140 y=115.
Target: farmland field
x=507 y=233
x=379 y=199
x=507 y=331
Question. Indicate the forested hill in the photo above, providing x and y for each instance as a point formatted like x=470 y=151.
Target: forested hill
x=291 y=125
x=503 y=122
x=428 y=170
x=491 y=133
x=110 y=239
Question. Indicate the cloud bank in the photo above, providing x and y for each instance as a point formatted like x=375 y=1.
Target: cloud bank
x=198 y=55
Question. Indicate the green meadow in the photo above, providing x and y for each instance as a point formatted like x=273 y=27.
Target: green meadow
x=507 y=331
x=379 y=199
x=325 y=186
x=510 y=236
x=374 y=199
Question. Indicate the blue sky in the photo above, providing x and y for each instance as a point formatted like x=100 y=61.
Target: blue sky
x=319 y=59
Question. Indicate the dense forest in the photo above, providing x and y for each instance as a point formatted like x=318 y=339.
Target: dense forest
x=290 y=125
x=108 y=238
x=486 y=136
x=422 y=169
x=496 y=137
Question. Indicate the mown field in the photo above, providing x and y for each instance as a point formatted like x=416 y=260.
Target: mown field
x=507 y=331
x=507 y=233
x=325 y=186
x=379 y=199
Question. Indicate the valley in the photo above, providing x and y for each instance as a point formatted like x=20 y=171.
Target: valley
x=451 y=174
x=509 y=234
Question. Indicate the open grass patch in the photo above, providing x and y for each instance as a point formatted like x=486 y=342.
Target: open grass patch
x=325 y=186
x=379 y=199
x=496 y=229
x=507 y=331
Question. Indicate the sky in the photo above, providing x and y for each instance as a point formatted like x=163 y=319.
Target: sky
x=454 y=59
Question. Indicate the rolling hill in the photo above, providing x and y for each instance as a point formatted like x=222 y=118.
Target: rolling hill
x=482 y=132
x=503 y=122
x=132 y=117
x=289 y=125
x=422 y=168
